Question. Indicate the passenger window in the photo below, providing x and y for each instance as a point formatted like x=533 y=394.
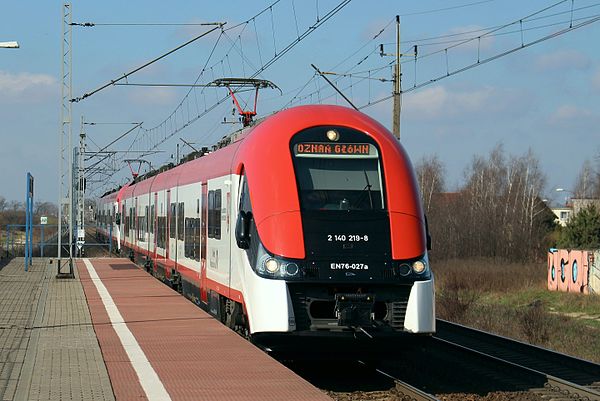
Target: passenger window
x=214 y=214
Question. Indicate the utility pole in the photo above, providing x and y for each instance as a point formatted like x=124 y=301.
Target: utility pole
x=397 y=79
x=397 y=84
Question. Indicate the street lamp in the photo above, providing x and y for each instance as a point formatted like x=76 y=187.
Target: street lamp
x=9 y=45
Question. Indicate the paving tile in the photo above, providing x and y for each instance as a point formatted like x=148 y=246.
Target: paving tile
x=67 y=362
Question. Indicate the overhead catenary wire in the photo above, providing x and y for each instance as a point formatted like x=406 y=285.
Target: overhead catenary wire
x=177 y=120
x=489 y=59
x=113 y=81
x=448 y=72
x=257 y=72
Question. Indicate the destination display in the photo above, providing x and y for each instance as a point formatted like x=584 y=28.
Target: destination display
x=346 y=149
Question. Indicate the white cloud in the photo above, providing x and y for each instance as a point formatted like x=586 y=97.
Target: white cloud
x=570 y=112
x=438 y=102
x=563 y=59
x=26 y=86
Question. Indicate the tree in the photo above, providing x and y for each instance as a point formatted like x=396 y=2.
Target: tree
x=430 y=177
x=16 y=206
x=582 y=231
x=587 y=185
x=45 y=209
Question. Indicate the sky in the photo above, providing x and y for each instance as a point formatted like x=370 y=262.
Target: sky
x=544 y=97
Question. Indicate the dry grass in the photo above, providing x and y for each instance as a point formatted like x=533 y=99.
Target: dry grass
x=512 y=300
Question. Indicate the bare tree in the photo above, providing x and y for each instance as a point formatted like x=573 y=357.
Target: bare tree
x=430 y=177
x=586 y=184
x=3 y=203
x=45 y=209
x=16 y=206
x=502 y=206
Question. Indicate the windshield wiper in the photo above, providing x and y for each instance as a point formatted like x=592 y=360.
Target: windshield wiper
x=368 y=188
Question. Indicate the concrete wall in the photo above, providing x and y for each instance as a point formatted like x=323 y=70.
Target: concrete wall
x=594 y=275
x=574 y=271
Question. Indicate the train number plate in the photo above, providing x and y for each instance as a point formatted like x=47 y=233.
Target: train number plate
x=347 y=238
x=349 y=266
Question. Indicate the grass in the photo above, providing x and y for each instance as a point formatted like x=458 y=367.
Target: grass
x=512 y=300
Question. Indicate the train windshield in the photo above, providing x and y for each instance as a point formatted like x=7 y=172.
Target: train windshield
x=339 y=182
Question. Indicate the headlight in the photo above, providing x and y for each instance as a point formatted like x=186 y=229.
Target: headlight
x=415 y=269
x=419 y=266
x=271 y=266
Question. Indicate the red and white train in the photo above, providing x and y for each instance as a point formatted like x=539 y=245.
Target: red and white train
x=309 y=222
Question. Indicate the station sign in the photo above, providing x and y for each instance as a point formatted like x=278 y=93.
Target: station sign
x=43 y=219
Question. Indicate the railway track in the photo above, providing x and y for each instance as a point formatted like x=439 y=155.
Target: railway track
x=558 y=374
x=407 y=391
x=578 y=371
x=460 y=362
x=353 y=380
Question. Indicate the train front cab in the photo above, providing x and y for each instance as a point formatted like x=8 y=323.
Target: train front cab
x=349 y=279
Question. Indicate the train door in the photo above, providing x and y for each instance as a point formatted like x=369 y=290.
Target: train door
x=116 y=228
x=154 y=223
x=203 y=232
x=173 y=226
x=135 y=225
x=218 y=266
x=168 y=235
x=124 y=225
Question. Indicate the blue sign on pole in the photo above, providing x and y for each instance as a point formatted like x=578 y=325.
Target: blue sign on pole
x=29 y=222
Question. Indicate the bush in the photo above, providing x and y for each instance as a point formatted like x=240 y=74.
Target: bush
x=534 y=323
x=456 y=297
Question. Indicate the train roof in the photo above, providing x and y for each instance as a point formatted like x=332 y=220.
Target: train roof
x=262 y=152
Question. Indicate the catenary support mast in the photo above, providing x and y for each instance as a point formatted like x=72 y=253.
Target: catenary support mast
x=65 y=155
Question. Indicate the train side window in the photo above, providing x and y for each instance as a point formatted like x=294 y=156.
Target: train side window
x=214 y=214
x=173 y=221
x=126 y=221
x=217 y=212
x=192 y=238
x=151 y=224
x=180 y=221
x=146 y=220
x=245 y=198
x=211 y=206
x=162 y=228
x=131 y=221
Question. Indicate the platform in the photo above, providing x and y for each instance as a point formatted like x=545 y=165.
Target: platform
x=115 y=332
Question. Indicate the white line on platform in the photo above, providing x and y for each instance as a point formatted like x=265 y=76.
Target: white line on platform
x=149 y=380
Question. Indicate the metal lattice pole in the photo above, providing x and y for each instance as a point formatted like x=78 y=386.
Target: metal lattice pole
x=65 y=174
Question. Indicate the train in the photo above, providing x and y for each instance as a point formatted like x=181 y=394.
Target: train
x=305 y=223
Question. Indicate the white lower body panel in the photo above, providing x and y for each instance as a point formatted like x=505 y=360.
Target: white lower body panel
x=420 y=311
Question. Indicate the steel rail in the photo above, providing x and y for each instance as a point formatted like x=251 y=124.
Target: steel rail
x=566 y=367
x=552 y=383
x=413 y=393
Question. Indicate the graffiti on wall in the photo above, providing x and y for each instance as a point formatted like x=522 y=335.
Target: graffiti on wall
x=573 y=271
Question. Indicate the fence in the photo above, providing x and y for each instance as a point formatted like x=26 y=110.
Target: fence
x=44 y=240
